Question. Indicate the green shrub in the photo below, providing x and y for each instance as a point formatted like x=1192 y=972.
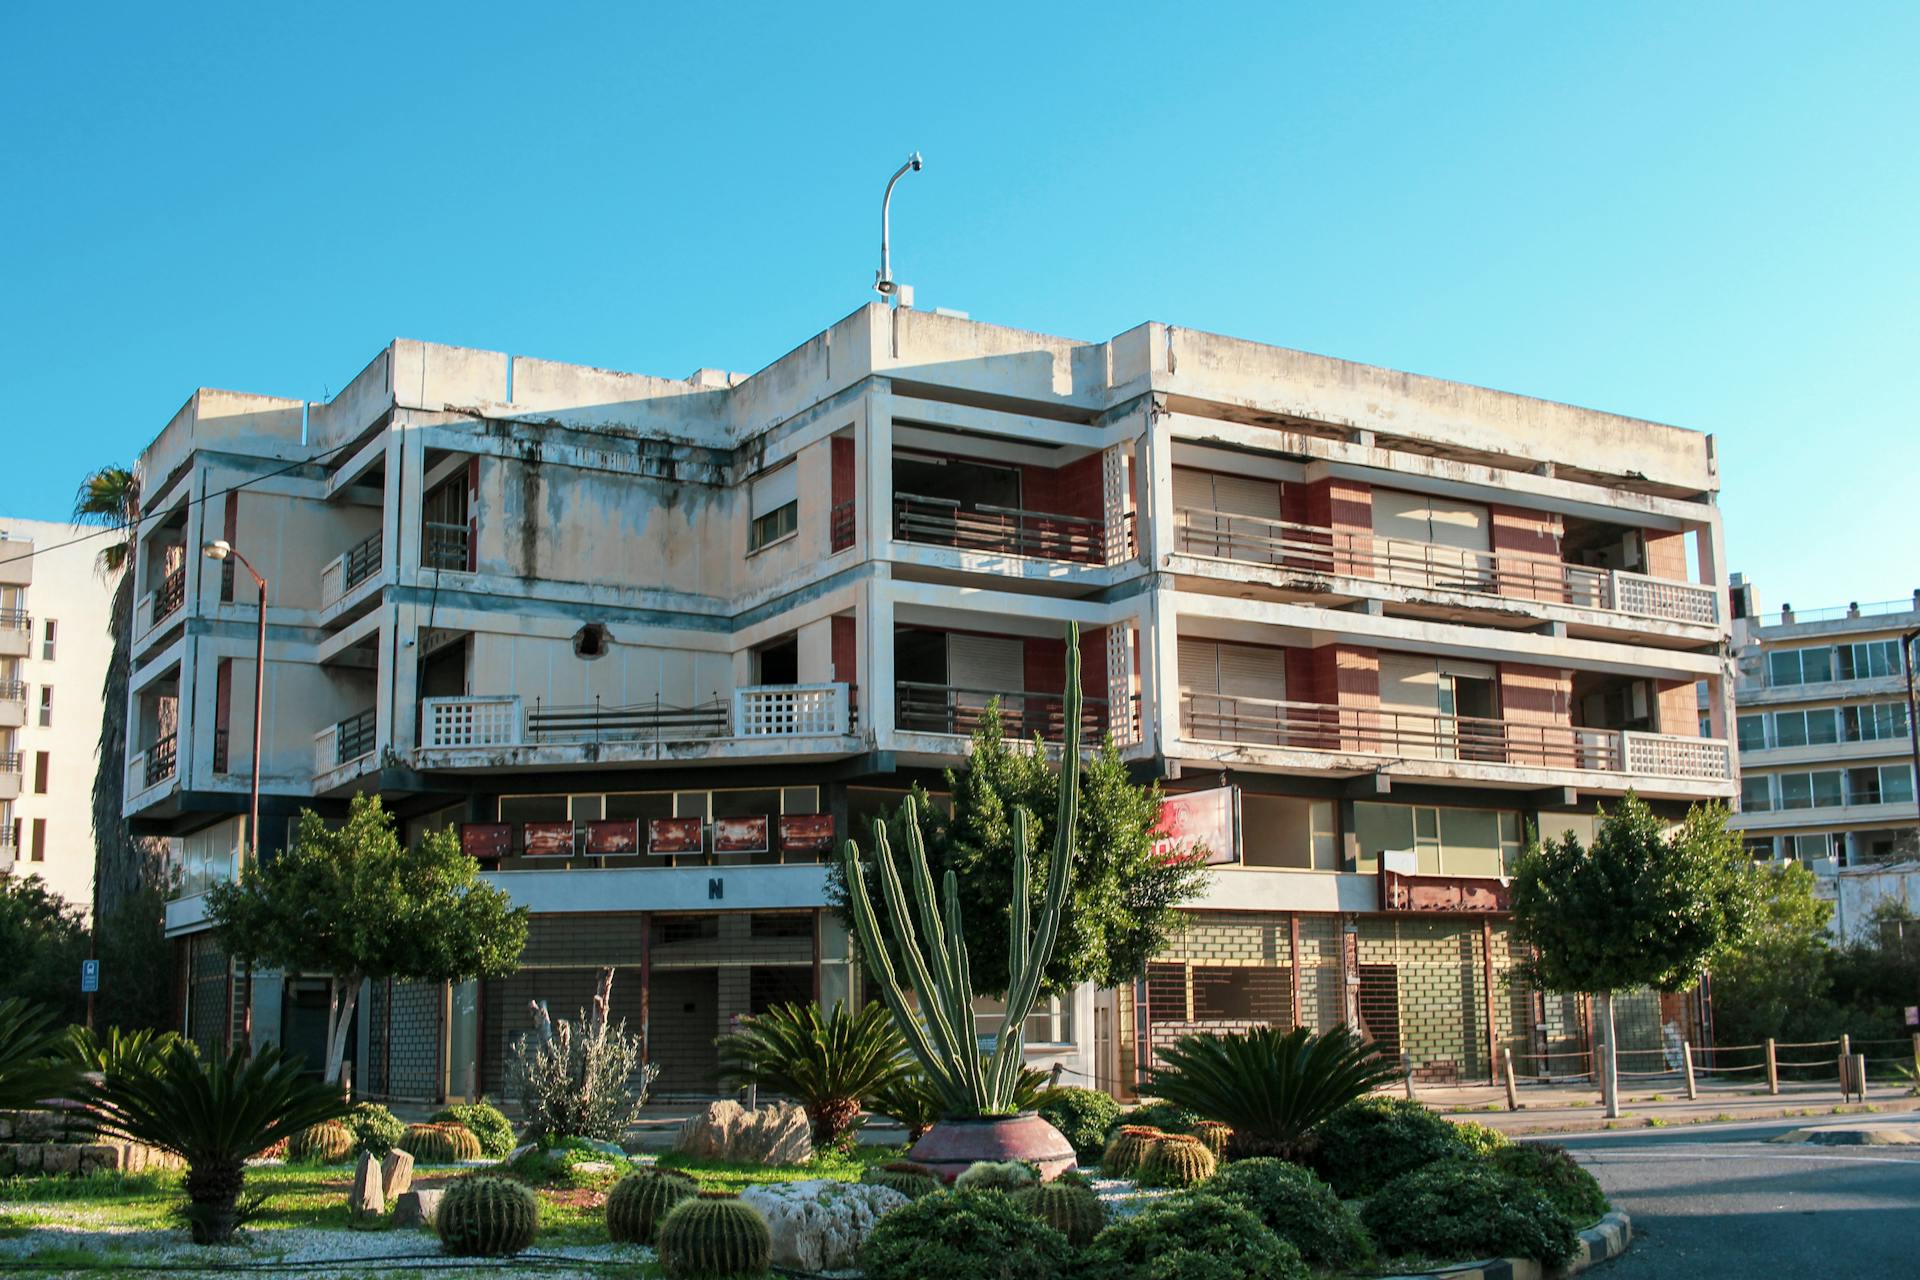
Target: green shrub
x=486 y=1122
x=1176 y=1160
x=1366 y=1145
x=713 y=1235
x=639 y=1201
x=963 y=1234
x=569 y=1162
x=1556 y=1175
x=1480 y=1139
x=1297 y=1207
x=1190 y=1237
x=376 y=1130
x=487 y=1217
x=1163 y=1116
x=1466 y=1209
x=1272 y=1086
x=997 y=1175
x=1069 y=1208
x=1083 y=1117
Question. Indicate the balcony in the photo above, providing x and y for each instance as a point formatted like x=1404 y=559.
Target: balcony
x=445 y=546
x=343 y=743
x=16 y=633
x=1222 y=535
x=1010 y=531
x=167 y=598
x=757 y=713
x=345 y=572
x=13 y=703
x=155 y=765
x=939 y=708
x=10 y=778
x=1383 y=731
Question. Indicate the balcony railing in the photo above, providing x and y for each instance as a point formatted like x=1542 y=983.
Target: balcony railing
x=1222 y=535
x=939 y=708
x=13 y=690
x=10 y=761
x=220 y=738
x=446 y=546
x=15 y=620
x=170 y=594
x=761 y=711
x=344 y=742
x=1384 y=731
x=347 y=571
x=158 y=762
x=1010 y=531
x=841 y=522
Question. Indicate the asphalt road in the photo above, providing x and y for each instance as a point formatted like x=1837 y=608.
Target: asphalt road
x=1717 y=1201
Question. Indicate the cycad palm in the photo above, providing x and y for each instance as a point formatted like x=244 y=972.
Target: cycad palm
x=829 y=1063
x=1273 y=1087
x=36 y=1058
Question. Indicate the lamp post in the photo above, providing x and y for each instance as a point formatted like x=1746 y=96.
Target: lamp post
x=220 y=550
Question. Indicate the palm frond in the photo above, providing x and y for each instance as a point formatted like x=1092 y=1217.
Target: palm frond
x=36 y=1057
x=213 y=1113
x=830 y=1062
x=1272 y=1086
x=110 y=497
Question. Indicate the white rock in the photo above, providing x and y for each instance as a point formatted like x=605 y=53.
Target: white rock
x=819 y=1225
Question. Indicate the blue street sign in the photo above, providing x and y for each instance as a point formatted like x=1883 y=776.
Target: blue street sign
x=89 y=976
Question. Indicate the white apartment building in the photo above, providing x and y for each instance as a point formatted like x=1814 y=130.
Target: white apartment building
x=655 y=644
x=54 y=651
x=1826 y=751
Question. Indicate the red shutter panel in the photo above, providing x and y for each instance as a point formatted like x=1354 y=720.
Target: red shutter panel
x=843 y=509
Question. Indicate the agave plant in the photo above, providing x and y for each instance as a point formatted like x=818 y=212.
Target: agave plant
x=829 y=1062
x=912 y=1100
x=1271 y=1086
x=36 y=1057
x=213 y=1115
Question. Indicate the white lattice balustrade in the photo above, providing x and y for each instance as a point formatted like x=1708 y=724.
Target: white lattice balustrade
x=471 y=722
x=1663 y=755
x=790 y=710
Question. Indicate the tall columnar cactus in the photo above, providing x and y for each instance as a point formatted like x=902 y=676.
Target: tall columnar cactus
x=487 y=1217
x=639 y=1201
x=329 y=1142
x=715 y=1234
x=1073 y=1211
x=444 y=1143
x=947 y=1041
x=1177 y=1160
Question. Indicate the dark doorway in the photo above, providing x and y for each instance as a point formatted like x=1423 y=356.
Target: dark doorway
x=779 y=662
x=970 y=485
x=683 y=1019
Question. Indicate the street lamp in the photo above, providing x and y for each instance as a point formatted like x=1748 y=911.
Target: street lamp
x=220 y=550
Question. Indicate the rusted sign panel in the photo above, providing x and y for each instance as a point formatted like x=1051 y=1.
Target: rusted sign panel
x=548 y=839
x=673 y=835
x=806 y=833
x=486 y=841
x=740 y=835
x=614 y=838
x=1401 y=892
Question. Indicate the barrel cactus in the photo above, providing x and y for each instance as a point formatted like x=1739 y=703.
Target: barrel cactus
x=1215 y=1135
x=1127 y=1148
x=714 y=1234
x=329 y=1142
x=997 y=1175
x=446 y=1143
x=909 y=1179
x=1073 y=1211
x=639 y=1201
x=1177 y=1160
x=487 y=1217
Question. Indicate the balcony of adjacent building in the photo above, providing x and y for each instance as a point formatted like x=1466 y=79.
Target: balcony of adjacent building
x=1347 y=708
x=16 y=627
x=974 y=504
x=1421 y=555
x=12 y=766
x=1822 y=670
x=13 y=695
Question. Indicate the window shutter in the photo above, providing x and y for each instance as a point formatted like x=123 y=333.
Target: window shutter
x=987 y=663
x=1247 y=671
x=1409 y=683
x=1244 y=496
x=1199 y=666
x=1192 y=489
x=775 y=489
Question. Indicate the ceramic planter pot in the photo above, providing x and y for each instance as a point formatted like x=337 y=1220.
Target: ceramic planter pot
x=953 y=1145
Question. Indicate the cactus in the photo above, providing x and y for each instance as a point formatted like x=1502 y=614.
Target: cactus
x=1127 y=1148
x=943 y=1035
x=446 y=1143
x=329 y=1142
x=997 y=1175
x=487 y=1217
x=909 y=1179
x=1215 y=1135
x=1073 y=1211
x=714 y=1234
x=1177 y=1160
x=639 y=1201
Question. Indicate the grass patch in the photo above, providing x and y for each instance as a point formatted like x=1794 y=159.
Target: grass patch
x=100 y=1185
x=726 y=1175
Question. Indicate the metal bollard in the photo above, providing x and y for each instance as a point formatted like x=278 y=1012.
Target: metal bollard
x=1513 y=1098
x=1686 y=1051
x=1773 y=1068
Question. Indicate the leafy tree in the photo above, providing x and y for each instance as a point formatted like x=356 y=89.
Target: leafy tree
x=354 y=903
x=136 y=964
x=43 y=939
x=1124 y=904
x=1643 y=908
x=1778 y=982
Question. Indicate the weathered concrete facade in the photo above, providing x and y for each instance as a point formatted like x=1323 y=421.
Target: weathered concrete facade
x=1401 y=618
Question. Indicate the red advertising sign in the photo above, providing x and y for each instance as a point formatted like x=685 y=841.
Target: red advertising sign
x=1200 y=826
x=547 y=839
x=1464 y=894
x=740 y=835
x=806 y=832
x=613 y=839
x=673 y=835
x=487 y=841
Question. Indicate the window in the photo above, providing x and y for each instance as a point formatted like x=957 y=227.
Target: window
x=1452 y=842
x=39 y=839
x=40 y=763
x=1863 y=786
x=49 y=630
x=1800 y=728
x=1822 y=790
x=1706 y=726
x=1896 y=784
x=446 y=540
x=46 y=706
x=775 y=506
x=1753 y=733
x=1867 y=660
x=1874 y=721
x=1799 y=666
x=1807 y=848
x=1756 y=794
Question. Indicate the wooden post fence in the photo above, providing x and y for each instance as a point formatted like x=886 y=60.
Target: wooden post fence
x=1773 y=1067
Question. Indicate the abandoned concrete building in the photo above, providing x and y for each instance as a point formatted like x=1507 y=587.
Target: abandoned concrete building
x=654 y=645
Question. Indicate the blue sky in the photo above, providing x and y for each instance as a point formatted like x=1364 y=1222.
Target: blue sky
x=1700 y=214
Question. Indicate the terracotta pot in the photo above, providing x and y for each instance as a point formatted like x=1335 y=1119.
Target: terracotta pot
x=952 y=1145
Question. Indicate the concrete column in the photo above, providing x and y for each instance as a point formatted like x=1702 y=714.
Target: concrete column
x=876 y=467
x=1155 y=517
x=1159 y=670
x=876 y=657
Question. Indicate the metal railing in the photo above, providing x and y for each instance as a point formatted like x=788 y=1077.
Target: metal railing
x=16 y=620
x=220 y=739
x=345 y=741
x=940 y=708
x=161 y=760
x=759 y=711
x=1011 y=531
x=1223 y=535
x=445 y=546
x=170 y=594
x=1384 y=731
x=13 y=690
x=10 y=761
x=1835 y=612
x=351 y=568
x=840 y=522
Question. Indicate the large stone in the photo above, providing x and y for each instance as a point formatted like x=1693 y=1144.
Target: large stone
x=368 y=1198
x=819 y=1225
x=777 y=1134
x=60 y=1157
x=396 y=1173
x=26 y=1158
x=416 y=1208
x=514 y=1155
x=99 y=1157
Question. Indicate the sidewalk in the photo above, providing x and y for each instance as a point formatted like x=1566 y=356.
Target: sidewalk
x=1571 y=1109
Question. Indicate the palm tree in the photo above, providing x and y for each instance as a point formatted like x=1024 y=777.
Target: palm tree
x=828 y=1062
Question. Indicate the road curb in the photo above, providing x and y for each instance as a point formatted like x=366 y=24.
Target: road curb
x=1604 y=1240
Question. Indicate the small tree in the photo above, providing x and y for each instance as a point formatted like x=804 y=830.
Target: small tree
x=1643 y=908
x=354 y=903
x=42 y=942
x=1778 y=983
